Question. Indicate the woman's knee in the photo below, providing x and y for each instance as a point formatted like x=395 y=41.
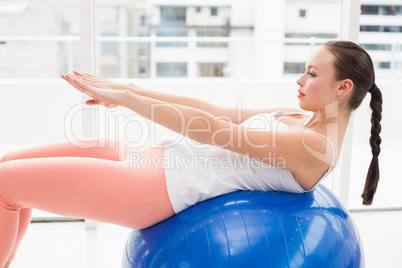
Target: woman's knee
x=15 y=155
x=8 y=157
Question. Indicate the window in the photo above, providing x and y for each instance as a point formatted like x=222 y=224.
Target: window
x=110 y=29
x=384 y=65
x=174 y=32
x=142 y=67
x=370 y=10
x=369 y=28
x=143 y=50
x=380 y=47
x=173 y=15
x=214 y=11
x=381 y=28
x=294 y=67
x=198 y=9
x=392 y=29
x=392 y=10
x=308 y=35
x=212 y=32
x=171 y=69
x=381 y=10
x=302 y=13
x=49 y=55
x=211 y=69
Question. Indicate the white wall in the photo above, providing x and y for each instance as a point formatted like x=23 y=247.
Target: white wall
x=242 y=13
x=33 y=112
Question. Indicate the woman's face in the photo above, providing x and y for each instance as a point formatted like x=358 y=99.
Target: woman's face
x=317 y=86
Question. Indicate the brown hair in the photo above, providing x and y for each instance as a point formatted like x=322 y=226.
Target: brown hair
x=353 y=62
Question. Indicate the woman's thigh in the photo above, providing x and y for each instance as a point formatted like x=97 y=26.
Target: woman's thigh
x=110 y=150
x=117 y=192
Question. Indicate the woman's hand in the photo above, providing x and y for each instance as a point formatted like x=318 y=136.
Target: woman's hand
x=97 y=89
x=100 y=82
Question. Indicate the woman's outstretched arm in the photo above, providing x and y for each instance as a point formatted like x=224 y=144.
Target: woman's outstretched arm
x=234 y=115
x=307 y=155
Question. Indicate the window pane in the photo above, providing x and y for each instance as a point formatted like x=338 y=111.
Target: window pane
x=393 y=29
x=173 y=15
x=109 y=29
x=369 y=10
x=173 y=32
x=214 y=11
x=371 y=28
x=211 y=69
x=42 y=41
x=294 y=67
x=212 y=32
x=377 y=46
x=391 y=10
x=384 y=65
x=171 y=69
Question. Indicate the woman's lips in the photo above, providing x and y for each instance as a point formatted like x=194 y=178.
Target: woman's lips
x=300 y=94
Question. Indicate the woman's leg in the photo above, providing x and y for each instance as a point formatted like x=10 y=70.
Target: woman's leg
x=103 y=190
x=108 y=150
x=24 y=218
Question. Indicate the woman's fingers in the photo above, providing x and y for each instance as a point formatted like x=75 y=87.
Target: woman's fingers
x=69 y=80
x=97 y=81
x=79 y=84
x=72 y=81
x=82 y=87
x=91 y=77
x=105 y=96
x=94 y=80
x=101 y=96
x=92 y=102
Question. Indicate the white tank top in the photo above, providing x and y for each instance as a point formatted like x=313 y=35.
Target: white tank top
x=196 y=172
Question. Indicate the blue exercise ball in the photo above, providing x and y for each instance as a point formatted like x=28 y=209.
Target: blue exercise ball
x=252 y=229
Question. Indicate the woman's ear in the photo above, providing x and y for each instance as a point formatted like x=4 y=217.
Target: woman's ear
x=344 y=88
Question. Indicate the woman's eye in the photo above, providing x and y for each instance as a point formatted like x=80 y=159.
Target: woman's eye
x=311 y=74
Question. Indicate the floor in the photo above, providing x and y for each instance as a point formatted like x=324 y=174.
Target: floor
x=62 y=245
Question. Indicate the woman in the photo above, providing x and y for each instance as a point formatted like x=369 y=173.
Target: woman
x=273 y=150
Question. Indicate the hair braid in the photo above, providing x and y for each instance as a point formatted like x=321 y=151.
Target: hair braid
x=353 y=62
x=373 y=174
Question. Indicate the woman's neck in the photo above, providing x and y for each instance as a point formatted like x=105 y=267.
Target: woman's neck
x=328 y=119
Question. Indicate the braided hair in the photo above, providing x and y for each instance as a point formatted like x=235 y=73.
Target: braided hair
x=353 y=62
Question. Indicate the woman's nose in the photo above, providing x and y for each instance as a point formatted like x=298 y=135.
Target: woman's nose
x=300 y=80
